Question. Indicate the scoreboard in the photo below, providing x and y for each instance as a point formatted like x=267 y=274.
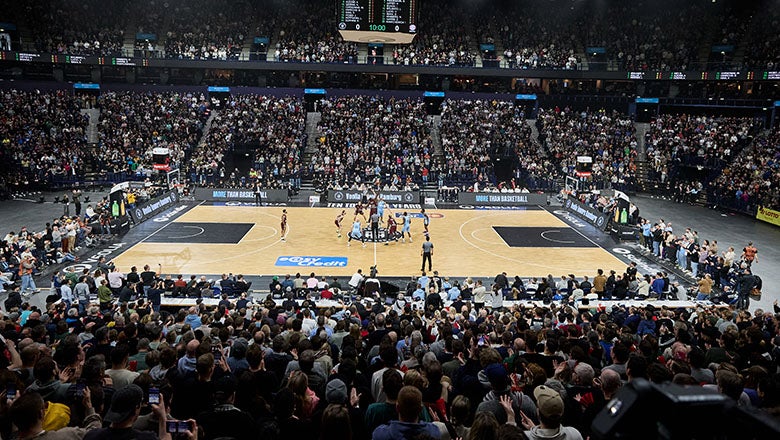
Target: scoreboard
x=382 y=21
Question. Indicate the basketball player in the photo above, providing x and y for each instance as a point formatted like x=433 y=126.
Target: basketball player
x=359 y=210
x=392 y=229
x=284 y=224
x=380 y=208
x=356 y=233
x=406 y=228
x=339 y=220
x=426 y=221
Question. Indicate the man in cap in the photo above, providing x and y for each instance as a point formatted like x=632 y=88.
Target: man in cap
x=550 y=411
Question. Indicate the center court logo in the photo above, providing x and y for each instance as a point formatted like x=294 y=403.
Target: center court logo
x=307 y=261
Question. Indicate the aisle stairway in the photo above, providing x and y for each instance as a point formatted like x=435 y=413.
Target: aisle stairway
x=92 y=128
x=641 y=130
x=534 y=131
x=312 y=135
x=202 y=143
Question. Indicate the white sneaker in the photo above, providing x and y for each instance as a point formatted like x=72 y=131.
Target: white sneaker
x=403 y=240
x=410 y=239
x=349 y=243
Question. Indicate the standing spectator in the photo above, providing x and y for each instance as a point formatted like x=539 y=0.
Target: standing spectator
x=408 y=425
x=550 y=412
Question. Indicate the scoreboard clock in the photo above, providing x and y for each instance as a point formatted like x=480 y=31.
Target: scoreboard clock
x=377 y=21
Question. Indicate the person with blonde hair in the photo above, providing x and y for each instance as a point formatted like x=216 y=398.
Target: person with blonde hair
x=305 y=399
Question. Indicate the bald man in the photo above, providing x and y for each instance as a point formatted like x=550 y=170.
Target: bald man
x=188 y=362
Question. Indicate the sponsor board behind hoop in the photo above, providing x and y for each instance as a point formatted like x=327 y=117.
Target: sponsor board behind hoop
x=92 y=261
x=590 y=215
x=309 y=261
x=510 y=199
x=768 y=215
x=342 y=196
x=152 y=207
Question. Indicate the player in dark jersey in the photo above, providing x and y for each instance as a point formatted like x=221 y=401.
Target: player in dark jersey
x=339 y=220
x=284 y=224
x=392 y=229
x=359 y=210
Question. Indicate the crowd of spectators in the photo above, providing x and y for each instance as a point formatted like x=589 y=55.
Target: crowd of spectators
x=444 y=38
x=648 y=35
x=608 y=137
x=273 y=127
x=676 y=141
x=638 y=36
x=474 y=132
x=530 y=37
x=25 y=254
x=43 y=136
x=208 y=30
x=78 y=27
x=364 y=139
x=761 y=44
x=133 y=124
x=308 y=34
x=445 y=363
x=751 y=179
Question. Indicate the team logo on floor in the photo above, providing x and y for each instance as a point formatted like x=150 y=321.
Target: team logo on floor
x=307 y=261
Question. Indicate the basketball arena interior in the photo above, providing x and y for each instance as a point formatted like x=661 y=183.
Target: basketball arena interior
x=571 y=203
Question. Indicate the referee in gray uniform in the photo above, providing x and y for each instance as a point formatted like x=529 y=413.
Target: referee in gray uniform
x=375 y=227
x=427 y=253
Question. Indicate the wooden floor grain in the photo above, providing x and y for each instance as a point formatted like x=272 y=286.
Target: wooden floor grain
x=464 y=245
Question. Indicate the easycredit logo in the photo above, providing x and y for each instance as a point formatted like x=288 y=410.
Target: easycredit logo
x=307 y=261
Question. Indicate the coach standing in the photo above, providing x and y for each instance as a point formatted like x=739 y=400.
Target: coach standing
x=427 y=253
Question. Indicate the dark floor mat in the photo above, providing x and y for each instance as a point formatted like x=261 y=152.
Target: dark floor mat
x=183 y=232
x=517 y=236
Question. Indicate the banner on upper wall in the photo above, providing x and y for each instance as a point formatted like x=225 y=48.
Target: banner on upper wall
x=239 y=195
x=768 y=215
x=585 y=212
x=501 y=199
x=145 y=210
x=350 y=196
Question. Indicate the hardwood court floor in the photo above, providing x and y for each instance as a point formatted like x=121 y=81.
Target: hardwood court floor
x=465 y=244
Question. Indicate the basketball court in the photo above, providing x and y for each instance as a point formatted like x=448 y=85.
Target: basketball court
x=210 y=240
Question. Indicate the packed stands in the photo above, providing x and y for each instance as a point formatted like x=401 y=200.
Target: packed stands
x=43 y=137
x=531 y=38
x=77 y=27
x=445 y=38
x=472 y=133
x=132 y=124
x=751 y=178
x=363 y=138
x=220 y=36
x=762 y=44
x=648 y=35
x=312 y=37
x=608 y=137
x=687 y=140
x=273 y=127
